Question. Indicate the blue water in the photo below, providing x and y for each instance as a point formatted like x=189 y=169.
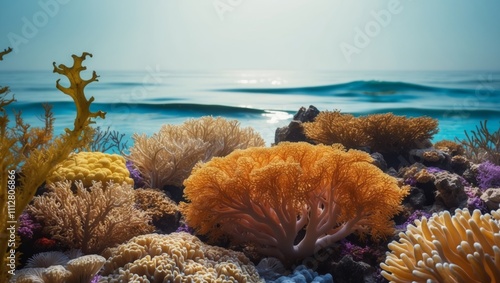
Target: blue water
x=140 y=102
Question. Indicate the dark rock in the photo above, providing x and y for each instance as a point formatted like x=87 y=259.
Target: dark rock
x=294 y=132
x=450 y=190
x=431 y=157
x=349 y=271
x=379 y=161
x=416 y=199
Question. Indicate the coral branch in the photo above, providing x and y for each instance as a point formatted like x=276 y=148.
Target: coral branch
x=5 y=52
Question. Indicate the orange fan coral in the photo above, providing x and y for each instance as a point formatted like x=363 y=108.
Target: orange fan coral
x=266 y=196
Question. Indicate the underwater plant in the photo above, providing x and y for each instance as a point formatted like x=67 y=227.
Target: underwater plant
x=91 y=219
x=444 y=248
x=107 y=141
x=482 y=145
x=267 y=196
x=176 y=257
x=384 y=133
x=167 y=157
x=33 y=168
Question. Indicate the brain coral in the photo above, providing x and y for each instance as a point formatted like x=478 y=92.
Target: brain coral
x=267 y=196
x=445 y=248
x=92 y=166
x=176 y=257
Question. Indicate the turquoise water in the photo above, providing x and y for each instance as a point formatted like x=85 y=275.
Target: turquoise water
x=140 y=102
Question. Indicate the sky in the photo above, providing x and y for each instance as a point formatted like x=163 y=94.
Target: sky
x=253 y=34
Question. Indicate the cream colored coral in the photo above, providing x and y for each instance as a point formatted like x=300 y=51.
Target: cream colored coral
x=84 y=268
x=91 y=219
x=90 y=167
x=167 y=157
x=460 y=248
x=176 y=257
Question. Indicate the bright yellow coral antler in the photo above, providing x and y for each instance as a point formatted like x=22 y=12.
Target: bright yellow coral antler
x=75 y=91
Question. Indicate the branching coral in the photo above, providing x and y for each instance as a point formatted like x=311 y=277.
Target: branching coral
x=445 y=248
x=482 y=145
x=90 y=167
x=385 y=133
x=158 y=206
x=176 y=257
x=108 y=141
x=167 y=157
x=40 y=161
x=266 y=196
x=90 y=220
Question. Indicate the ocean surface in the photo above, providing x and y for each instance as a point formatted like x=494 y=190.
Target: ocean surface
x=140 y=102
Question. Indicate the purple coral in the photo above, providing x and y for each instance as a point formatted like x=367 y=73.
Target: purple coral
x=488 y=175
x=356 y=252
x=27 y=226
x=417 y=214
x=135 y=175
x=474 y=200
x=185 y=228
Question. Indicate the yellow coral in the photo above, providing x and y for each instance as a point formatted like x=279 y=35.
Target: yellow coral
x=266 y=196
x=92 y=166
x=176 y=257
x=445 y=248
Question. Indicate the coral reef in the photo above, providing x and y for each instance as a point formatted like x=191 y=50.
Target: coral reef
x=445 y=248
x=450 y=147
x=92 y=219
x=301 y=274
x=176 y=257
x=89 y=167
x=488 y=175
x=107 y=141
x=384 y=133
x=267 y=196
x=27 y=227
x=162 y=210
x=56 y=267
x=167 y=157
x=34 y=166
x=482 y=145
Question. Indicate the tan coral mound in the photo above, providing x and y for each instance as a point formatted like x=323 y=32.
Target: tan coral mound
x=176 y=257
x=445 y=248
x=167 y=157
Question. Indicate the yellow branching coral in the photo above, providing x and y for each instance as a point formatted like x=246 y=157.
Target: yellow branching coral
x=445 y=248
x=90 y=220
x=92 y=166
x=176 y=257
x=37 y=164
x=266 y=196
x=167 y=157
x=386 y=133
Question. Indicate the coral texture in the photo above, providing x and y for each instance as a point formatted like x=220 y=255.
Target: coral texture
x=90 y=220
x=39 y=162
x=445 y=248
x=176 y=257
x=385 y=133
x=301 y=274
x=90 y=167
x=450 y=147
x=266 y=196
x=162 y=210
x=482 y=145
x=167 y=157
x=56 y=268
x=488 y=175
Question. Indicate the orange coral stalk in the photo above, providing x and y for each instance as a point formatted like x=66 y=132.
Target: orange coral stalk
x=266 y=196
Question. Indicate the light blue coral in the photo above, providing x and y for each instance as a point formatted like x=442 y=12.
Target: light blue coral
x=302 y=274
